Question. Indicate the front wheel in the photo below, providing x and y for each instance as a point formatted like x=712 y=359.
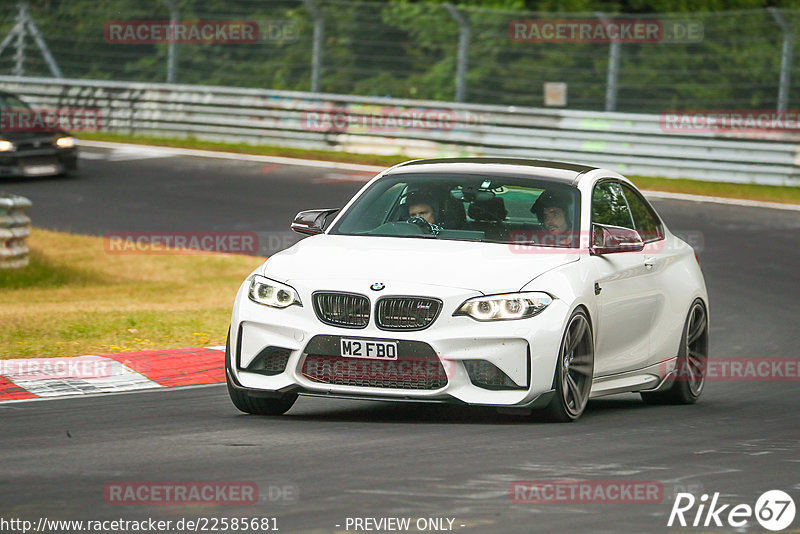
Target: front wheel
x=690 y=368
x=248 y=403
x=574 y=370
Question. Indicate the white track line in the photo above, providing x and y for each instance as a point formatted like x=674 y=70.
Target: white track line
x=242 y=157
x=373 y=168
x=722 y=200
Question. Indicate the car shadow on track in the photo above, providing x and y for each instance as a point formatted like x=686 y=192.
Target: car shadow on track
x=409 y=413
x=421 y=413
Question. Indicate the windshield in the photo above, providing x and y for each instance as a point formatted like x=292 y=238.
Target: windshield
x=470 y=207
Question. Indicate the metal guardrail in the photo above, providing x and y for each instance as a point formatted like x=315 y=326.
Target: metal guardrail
x=633 y=144
x=14 y=230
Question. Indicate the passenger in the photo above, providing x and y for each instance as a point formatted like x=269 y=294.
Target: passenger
x=553 y=211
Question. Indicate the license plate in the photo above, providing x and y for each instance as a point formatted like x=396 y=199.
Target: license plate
x=373 y=350
x=39 y=170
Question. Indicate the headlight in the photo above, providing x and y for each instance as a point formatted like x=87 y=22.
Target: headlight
x=6 y=146
x=271 y=293
x=66 y=142
x=505 y=307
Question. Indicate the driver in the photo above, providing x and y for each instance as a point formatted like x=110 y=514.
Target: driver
x=421 y=209
x=423 y=206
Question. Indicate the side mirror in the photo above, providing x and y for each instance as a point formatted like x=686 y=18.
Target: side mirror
x=607 y=239
x=312 y=222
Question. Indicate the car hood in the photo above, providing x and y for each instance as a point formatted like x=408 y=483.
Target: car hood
x=485 y=267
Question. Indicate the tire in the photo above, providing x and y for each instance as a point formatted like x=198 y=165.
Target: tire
x=574 y=370
x=249 y=403
x=691 y=364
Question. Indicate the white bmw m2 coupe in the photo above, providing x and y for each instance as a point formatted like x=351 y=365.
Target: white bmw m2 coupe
x=530 y=286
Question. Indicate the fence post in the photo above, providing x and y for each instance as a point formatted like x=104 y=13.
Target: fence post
x=463 y=50
x=786 y=58
x=319 y=36
x=613 y=68
x=24 y=22
x=19 y=56
x=172 y=47
x=14 y=230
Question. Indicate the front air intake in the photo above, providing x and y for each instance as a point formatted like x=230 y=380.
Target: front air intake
x=270 y=361
x=487 y=375
x=348 y=310
x=407 y=313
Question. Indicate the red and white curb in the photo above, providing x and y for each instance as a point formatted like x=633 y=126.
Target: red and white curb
x=32 y=378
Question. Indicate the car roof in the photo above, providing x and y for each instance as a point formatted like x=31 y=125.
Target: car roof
x=555 y=171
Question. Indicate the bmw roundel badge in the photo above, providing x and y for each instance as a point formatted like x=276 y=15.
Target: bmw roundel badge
x=377 y=286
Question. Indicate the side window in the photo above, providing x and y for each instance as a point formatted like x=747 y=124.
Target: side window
x=609 y=206
x=646 y=222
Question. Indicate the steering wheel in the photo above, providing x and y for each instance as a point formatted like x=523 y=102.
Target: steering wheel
x=427 y=228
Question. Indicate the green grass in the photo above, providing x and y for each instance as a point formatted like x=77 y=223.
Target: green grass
x=104 y=332
x=784 y=194
x=768 y=193
x=75 y=298
x=244 y=148
x=42 y=272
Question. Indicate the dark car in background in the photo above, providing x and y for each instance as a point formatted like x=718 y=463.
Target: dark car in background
x=32 y=143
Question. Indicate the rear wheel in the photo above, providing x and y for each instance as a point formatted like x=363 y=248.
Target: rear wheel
x=574 y=370
x=250 y=403
x=690 y=374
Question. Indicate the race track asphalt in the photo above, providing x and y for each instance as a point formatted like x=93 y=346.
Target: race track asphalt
x=362 y=459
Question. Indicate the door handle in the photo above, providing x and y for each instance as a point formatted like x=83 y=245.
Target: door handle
x=649 y=262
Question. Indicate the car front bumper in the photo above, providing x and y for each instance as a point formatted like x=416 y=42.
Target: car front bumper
x=47 y=161
x=452 y=352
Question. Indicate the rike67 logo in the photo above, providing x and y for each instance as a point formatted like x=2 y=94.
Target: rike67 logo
x=774 y=510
